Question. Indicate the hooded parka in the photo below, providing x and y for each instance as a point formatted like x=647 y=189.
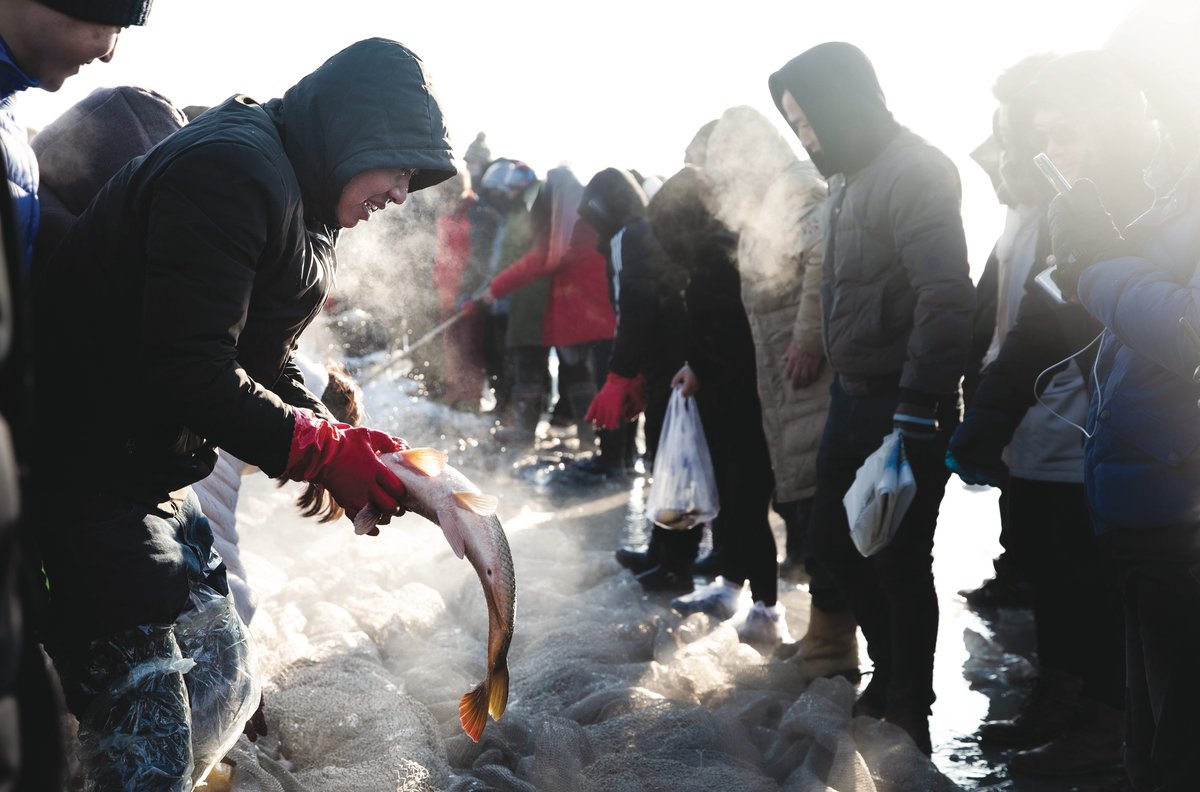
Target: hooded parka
x=897 y=296
x=179 y=295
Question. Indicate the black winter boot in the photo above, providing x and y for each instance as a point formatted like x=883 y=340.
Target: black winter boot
x=1093 y=742
x=665 y=580
x=637 y=561
x=1045 y=714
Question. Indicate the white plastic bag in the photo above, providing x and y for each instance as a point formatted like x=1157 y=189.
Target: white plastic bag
x=684 y=492
x=883 y=489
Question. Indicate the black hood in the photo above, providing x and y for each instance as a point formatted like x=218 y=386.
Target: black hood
x=611 y=200
x=683 y=221
x=836 y=87
x=369 y=106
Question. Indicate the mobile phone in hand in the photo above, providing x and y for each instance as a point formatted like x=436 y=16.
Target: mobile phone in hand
x=1052 y=174
x=1059 y=182
x=1045 y=279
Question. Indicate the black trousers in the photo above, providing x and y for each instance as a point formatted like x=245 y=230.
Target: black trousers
x=1159 y=572
x=1076 y=607
x=732 y=418
x=891 y=593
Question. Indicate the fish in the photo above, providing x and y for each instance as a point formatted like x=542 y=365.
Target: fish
x=467 y=517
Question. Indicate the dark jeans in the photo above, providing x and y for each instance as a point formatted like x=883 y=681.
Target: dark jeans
x=1159 y=572
x=822 y=587
x=1076 y=605
x=891 y=593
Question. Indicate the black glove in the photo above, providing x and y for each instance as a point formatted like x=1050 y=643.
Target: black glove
x=975 y=450
x=1081 y=229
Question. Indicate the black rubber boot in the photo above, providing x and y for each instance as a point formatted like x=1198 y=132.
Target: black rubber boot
x=1045 y=714
x=663 y=579
x=637 y=561
x=676 y=553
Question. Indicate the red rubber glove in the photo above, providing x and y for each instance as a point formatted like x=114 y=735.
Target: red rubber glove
x=345 y=460
x=612 y=404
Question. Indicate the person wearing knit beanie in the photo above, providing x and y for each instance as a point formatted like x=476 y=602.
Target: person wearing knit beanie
x=478 y=157
x=47 y=41
x=119 y=13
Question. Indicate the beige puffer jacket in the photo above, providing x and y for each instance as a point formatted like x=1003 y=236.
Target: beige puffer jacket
x=775 y=201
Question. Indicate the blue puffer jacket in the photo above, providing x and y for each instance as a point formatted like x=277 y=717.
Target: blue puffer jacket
x=1143 y=458
x=22 y=164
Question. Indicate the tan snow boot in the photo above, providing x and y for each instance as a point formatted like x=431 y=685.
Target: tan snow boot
x=829 y=647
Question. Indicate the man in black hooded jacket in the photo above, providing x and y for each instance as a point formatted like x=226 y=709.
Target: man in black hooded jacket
x=897 y=304
x=177 y=300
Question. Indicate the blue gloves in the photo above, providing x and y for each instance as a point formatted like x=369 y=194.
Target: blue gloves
x=975 y=450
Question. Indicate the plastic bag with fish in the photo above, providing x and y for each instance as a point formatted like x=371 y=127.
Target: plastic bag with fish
x=684 y=491
x=181 y=695
x=467 y=517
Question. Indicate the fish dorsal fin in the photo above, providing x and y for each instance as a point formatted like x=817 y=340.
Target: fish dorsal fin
x=429 y=461
x=477 y=502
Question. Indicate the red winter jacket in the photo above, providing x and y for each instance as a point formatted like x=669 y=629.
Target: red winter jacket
x=578 y=309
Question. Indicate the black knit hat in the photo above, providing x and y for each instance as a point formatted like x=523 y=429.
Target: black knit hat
x=121 y=13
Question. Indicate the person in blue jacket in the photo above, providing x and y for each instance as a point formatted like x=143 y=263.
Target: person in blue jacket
x=1142 y=452
x=42 y=44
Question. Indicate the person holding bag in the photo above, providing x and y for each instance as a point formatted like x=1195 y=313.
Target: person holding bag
x=897 y=307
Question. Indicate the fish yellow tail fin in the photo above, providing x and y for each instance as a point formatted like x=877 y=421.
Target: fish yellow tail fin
x=498 y=696
x=473 y=710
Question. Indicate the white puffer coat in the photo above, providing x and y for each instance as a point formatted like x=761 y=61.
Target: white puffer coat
x=774 y=201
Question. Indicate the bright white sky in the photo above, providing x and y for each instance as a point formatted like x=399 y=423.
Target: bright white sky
x=624 y=82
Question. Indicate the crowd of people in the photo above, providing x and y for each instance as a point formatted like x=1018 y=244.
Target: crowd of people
x=161 y=266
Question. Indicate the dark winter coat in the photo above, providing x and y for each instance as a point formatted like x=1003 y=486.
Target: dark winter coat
x=646 y=288
x=1142 y=461
x=178 y=296
x=897 y=298
x=897 y=295
x=720 y=348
